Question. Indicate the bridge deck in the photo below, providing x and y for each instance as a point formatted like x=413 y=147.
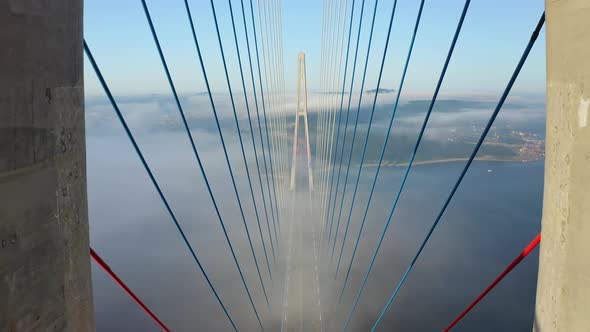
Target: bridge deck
x=302 y=309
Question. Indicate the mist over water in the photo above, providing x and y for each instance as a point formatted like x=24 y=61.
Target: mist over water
x=488 y=223
x=495 y=213
x=492 y=217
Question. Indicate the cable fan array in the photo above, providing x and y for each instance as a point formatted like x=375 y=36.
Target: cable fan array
x=344 y=25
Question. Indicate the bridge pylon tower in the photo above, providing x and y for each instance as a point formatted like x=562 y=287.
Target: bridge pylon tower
x=301 y=111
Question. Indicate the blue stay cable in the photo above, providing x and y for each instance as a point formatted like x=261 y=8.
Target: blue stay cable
x=261 y=139
x=358 y=112
x=467 y=165
x=358 y=39
x=420 y=135
x=272 y=50
x=335 y=155
x=329 y=79
x=358 y=176
x=253 y=141
x=272 y=173
x=180 y=109
x=153 y=179
x=241 y=146
x=325 y=32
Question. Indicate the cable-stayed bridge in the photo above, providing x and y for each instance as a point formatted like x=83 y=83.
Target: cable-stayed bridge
x=296 y=178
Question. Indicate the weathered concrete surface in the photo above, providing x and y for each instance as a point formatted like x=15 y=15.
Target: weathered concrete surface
x=44 y=262
x=563 y=293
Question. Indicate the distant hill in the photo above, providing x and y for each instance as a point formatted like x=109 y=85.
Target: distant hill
x=373 y=91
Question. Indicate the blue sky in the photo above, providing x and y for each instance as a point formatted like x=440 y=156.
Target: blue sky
x=492 y=40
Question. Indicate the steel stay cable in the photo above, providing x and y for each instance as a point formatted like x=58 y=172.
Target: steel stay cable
x=267 y=162
x=284 y=99
x=321 y=76
x=346 y=122
x=335 y=111
x=284 y=131
x=333 y=105
x=332 y=85
x=274 y=28
x=360 y=168
x=331 y=182
x=328 y=71
x=242 y=147
x=324 y=86
x=272 y=66
x=358 y=112
x=268 y=58
x=360 y=26
x=187 y=129
x=332 y=46
x=420 y=135
x=282 y=107
x=276 y=216
x=271 y=83
x=325 y=67
x=282 y=110
x=272 y=98
x=261 y=138
x=253 y=140
x=280 y=78
x=319 y=98
x=331 y=162
x=273 y=13
x=285 y=94
x=323 y=72
x=153 y=180
x=327 y=78
x=96 y=257
x=519 y=66
x=527 y=250
x=352 y=83
x=284 y=86
x=331 y=170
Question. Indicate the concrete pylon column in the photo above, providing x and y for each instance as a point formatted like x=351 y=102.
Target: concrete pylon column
x=301 y=111
x=44 y=259
x=563 y=290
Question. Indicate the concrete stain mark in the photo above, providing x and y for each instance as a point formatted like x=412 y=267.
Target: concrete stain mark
x=10 y=281
x=4 y=243
x=65 y=139
x=48 y=95
x=30 y=7
x=583 y=111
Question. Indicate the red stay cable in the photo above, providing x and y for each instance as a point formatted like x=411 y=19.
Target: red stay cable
x=515 y=262
x=110 y=272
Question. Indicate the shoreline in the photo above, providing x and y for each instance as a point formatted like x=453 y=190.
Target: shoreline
x=448 y=160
